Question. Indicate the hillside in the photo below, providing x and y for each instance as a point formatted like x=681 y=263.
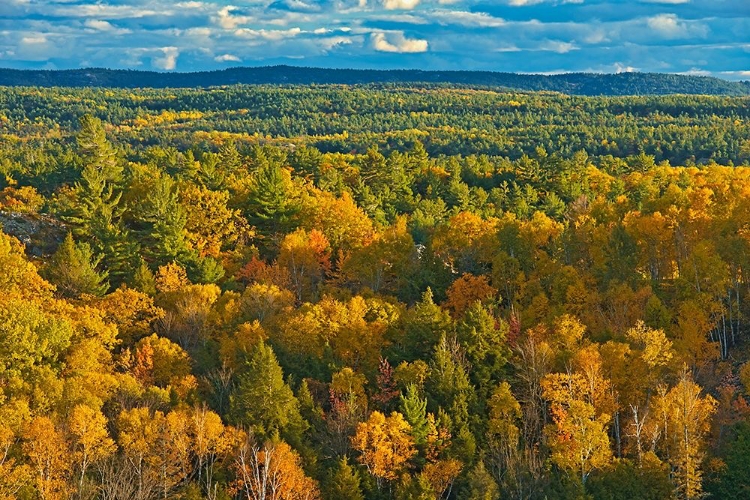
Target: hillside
x=569 y=83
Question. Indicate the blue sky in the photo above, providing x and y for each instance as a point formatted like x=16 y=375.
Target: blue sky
x=542 y=36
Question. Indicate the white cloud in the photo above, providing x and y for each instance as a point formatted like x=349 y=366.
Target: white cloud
x=227 y=58
x=468 y=19
x=558 y=46
x=623 y=68
x=596 y=36
x=668 y=2
x=225 y=19
x=34 y=40
x=524 y=3
x=400 y=4
x=507 y=48
x=696 y=72
x=104 y=11
x=198 y=32
x=335 y=41
x=670 y=26
x=272 y=35
x=168 y=61
x=398 y=44
x=192 y=5
x=105 y=26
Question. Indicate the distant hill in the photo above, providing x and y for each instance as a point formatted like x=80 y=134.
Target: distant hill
x=568 y=83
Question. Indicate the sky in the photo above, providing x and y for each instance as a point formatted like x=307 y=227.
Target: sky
x=703 y=37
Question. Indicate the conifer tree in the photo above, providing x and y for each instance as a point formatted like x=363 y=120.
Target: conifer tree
x=73 y=269
x=272 y=207
x=480 y=485
x=144 y=280
x=345 y=482
x=263 y=401
x=414 y=410
x=97 y=153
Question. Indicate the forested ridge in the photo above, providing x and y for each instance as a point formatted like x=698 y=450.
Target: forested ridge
x=628 y=83
x=373 y=292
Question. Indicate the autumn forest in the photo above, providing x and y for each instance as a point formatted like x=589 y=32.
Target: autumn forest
x=391 y=291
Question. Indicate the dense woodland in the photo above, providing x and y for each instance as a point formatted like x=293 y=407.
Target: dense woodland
x=373 y=292
x=627 y=83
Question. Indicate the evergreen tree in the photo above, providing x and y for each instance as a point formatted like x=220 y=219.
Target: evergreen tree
x=263 y=401
x=424 y=325
x=97 y=153
x=73 y=269
x=272 y=205
x=414 y=410
x=144 y=280
x=480 y=485
x=160 y=221
x=344 y=483
x=483 y=339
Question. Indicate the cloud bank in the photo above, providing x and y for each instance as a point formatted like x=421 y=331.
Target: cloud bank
x=681 y=36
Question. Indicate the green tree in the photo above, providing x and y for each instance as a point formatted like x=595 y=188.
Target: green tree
x=272 y=205
x=480 y=485
x=263 y=401
x=483 y=338
x=344 y=482
x=626 y=481
x=414 y=409
x=96 y=151
x=73 y=270
x=733 y=479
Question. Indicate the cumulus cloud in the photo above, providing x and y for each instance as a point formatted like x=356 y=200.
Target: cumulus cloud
x=272 y=35
x=398 y=43
x=225 y=19
x=168 y=61
x=331 y=43
x=227 y=58
x=514 y=35
x=400 y=4
x=672 y=27
x=105 y=26
x=34 y=39
x=558 y=46
x=468 y=19
x=106 y=11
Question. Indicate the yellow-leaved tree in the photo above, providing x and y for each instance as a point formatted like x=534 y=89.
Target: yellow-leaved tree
x=578 y=437
x=686 y=419
x=385 y=445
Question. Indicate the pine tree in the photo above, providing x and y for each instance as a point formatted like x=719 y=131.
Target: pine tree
x=160 y=219
x=144 y=280
x=272 y=207
x=97 y=153
x=480 y=485
x=73 y=269
x=344 y=483
x=263 y=401
x=414 y=410
x=483 y=338
x=424 y=326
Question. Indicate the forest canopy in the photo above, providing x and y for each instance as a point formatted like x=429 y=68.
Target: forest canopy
x=372 y=292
